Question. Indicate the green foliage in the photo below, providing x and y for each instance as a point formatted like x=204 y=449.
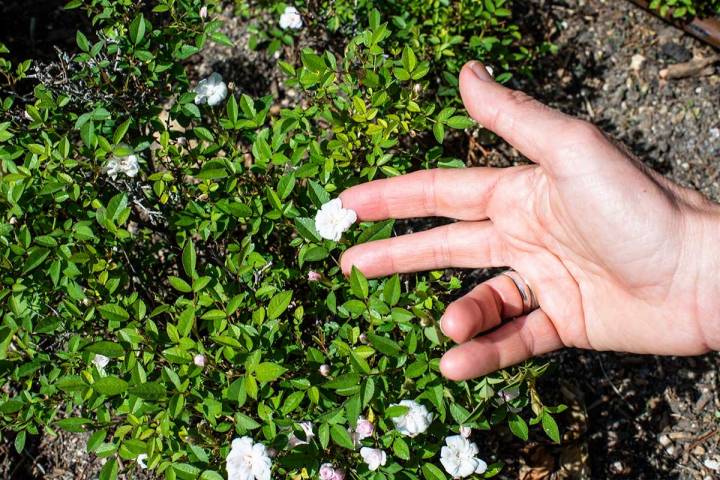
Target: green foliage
x=170 y=311
x=686 y=9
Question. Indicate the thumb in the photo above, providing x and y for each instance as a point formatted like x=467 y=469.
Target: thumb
x=534 y=129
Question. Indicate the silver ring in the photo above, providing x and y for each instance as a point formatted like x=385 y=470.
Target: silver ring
x=529 y=300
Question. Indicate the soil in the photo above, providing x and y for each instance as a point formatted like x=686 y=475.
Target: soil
x=629 y=416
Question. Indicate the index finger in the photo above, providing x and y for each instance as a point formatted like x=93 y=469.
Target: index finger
x=462 y=194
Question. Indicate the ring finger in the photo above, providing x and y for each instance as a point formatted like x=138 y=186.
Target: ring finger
x=482 y=309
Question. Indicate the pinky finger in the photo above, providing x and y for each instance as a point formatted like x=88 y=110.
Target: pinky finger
x=515 y=341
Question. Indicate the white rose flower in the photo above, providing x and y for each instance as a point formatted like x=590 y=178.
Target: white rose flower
x=128 y=166
x=291 y=19
x=248 y=460
x=374 y=457
x=332 y=220
x=141 y=460
x=415 y=421
x=211 y=90
x=459 y=457
x=100 y=361
x=199 y=360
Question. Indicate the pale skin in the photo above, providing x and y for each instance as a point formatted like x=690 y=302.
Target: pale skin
x=619 y=257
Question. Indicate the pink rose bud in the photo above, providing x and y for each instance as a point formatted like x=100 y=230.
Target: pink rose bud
x=203 y=12
x=324 y=370
x=13 y=221
x=199 y=360
x=327 y=471
x=364 y=428
x=363 y=338
x=465 y=431
x=271 y=452
x=314 y=276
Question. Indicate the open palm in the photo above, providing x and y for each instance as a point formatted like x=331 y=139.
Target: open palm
x=616 y=255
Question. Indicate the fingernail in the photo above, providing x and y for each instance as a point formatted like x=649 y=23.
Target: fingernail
x=480 y=71
x=440 y=323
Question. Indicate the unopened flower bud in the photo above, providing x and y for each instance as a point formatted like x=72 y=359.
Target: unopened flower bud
x=324 y=370
x=465 y=431
x=363 y=338
x=314 y=276
x=425 y=322
x=199 y=360
x=13 y=221
x=203 y=12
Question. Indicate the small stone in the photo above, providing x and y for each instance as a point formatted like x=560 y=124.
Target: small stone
x=664 y=440
x=712 y=464
x=699 y=450
x=637 y=62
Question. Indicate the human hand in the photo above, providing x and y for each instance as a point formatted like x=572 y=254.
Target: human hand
x=618 y=257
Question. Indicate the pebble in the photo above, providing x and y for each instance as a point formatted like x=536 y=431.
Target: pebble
x=637 y=62
x=712 y=464
x=699 y=450
x=664 y=440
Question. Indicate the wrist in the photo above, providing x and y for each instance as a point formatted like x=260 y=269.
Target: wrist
x=708 y=275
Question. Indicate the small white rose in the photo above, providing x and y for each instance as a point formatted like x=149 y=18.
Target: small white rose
x=415 y=421
x=199 y=360
x=100 y=361
x=364 y=429
x=141 y=460
x=332 y=220
x=211 y=90
x=373 y=457
x=291 y=19
x=128 y=166
x=248 y=460
x=459 y=457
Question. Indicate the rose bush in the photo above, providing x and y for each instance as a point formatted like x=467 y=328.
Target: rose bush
x=169 y=252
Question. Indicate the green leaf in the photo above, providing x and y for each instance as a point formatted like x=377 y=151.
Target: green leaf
x=110 y=386
x=11 y=406
x=113 y=312
x=318 y=195
x=179 y=284
x=383 y=344
x=185 y=471
x=341 y=437
x=460 y=122
x=550 y=427
x=35 y=259
x=395 y=411
x=306 y=228
x=401 y=449
x=391 y=290
x=189 y=259
x=20 y=441
x=431 y=472
x=74 y=424
x=278 y=304
x=137 y=29
x=148 y=391
x=518 y=426
x=109 y=349
x=377 y=231
x=82 y=41
x=268 y=372
x=71 y=383
x=358 y=283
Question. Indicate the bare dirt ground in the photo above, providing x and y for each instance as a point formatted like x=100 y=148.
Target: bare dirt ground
x=630 y=416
